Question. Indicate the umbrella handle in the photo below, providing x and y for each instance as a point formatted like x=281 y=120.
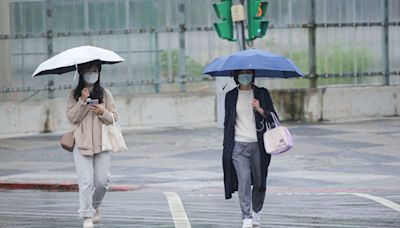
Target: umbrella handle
x=76 y=72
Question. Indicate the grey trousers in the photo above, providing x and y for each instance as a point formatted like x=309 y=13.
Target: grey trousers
x=93 y=173
x=246 y=160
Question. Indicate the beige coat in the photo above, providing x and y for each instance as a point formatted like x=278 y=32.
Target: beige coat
x=88 y=124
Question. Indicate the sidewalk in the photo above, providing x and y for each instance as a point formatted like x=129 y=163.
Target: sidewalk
x=359 y=157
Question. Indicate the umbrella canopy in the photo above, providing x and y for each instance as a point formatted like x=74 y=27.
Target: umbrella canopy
x=67 y=60
x=264 y=63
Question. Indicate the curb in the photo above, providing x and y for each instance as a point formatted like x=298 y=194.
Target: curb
x=62 y=187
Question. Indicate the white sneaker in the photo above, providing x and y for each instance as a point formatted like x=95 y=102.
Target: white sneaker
x=256 y=218
x=96 y=217
x=247 y=223
x=88 y=223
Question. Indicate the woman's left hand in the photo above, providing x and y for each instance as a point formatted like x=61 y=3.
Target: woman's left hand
x=97 y=109
x=256 y=105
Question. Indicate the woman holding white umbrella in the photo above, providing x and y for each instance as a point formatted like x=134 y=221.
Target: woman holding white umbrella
x=91 y=162
x=90 y=107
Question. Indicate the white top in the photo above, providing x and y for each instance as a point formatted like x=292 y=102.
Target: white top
x=245 y=126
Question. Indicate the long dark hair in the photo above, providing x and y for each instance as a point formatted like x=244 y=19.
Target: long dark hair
x=98 y=91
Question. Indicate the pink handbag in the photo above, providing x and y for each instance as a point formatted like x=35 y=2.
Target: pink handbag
x=67 y=141
x=277 y=140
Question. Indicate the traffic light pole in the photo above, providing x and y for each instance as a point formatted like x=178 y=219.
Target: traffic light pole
x=225 y=84
x=232 y=16
x=240 y=30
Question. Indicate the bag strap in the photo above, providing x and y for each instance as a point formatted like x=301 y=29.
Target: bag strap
x=275 y=119
x=113 y=118
x=265 y=123
x=105 y=105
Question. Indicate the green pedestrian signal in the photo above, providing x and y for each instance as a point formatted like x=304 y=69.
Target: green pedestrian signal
x=256 y=25
x=224 y=27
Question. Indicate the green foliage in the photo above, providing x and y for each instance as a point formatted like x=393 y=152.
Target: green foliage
x=333 y=59
x=300 y=58
x=193 y=68
x=339 y=59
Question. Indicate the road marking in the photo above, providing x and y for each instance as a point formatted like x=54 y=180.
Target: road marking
x=380 y=200
x=178 y=212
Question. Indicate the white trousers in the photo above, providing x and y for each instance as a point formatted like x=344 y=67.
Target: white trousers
x=93 y=173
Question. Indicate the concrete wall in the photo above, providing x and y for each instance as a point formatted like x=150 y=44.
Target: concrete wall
x=332 y=104
x=145 y=111
x=160 y=110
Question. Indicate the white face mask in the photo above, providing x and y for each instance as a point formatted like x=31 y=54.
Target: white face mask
x=91 y=77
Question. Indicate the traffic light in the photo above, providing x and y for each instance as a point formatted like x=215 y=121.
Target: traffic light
x=256 y=10
x=224 y=28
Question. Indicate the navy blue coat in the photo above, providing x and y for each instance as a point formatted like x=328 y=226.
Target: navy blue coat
x=230 y=178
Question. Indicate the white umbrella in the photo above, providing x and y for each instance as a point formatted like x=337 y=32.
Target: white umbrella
x=68 y=60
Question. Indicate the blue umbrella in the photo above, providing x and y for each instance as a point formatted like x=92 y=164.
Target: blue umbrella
x=264 y=63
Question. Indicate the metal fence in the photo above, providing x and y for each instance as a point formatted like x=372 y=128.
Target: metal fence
x=167 y=43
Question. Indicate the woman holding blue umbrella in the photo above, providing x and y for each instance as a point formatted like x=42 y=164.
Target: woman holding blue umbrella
x=245 y=161
x=248 y=109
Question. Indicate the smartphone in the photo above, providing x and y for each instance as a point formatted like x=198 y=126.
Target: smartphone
x=93 y=101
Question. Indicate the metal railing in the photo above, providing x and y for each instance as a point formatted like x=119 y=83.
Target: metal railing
x=175 y=39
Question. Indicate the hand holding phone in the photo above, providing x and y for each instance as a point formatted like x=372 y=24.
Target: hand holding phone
x=92 y=102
